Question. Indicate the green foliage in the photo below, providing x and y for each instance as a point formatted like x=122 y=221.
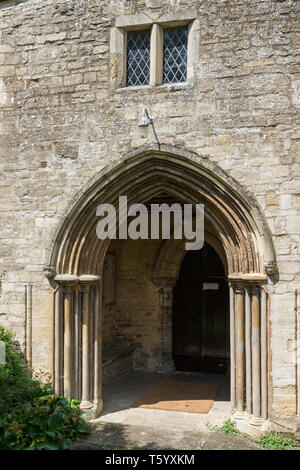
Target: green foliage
x=48 y=422
x=31 y=417
x=210 y=427
x=16 y=386
x=272 y=440
x=229 y=427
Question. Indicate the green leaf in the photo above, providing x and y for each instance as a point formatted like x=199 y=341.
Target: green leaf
x=48 y=446
x=28 y=407
x=82 y=428
x=8 y=436
x=32 y=446
x=46 y=398
x=74 y=403
x=60 y=402
x=64 y=444
x=41 y=422
x=55 y=421
x=49 y=390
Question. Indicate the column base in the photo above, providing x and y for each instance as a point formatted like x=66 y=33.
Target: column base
x=97 y=407
x=92 y=410
x=240 y=415
x=246 y=423
x=256 y=421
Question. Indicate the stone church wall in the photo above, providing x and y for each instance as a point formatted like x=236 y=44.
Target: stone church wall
x=63 y=119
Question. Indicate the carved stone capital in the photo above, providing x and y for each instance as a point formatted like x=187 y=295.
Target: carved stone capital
x=271 y=268
x=50 y=272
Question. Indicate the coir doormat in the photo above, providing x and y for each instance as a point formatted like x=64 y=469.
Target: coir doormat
x=178 y=396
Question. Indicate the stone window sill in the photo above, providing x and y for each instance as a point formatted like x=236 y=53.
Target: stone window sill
x=163 y=86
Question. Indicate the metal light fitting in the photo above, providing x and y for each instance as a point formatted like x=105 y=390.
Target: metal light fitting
x=144 y=123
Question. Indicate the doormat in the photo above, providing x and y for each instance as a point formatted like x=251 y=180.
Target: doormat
x=179 y=396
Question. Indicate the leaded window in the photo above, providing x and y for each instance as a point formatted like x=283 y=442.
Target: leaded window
x=175 y=55
x=138 y=58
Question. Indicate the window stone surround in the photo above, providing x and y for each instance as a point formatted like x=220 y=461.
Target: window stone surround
x=118 y=38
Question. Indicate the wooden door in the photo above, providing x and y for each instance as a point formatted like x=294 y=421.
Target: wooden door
x=201 y=313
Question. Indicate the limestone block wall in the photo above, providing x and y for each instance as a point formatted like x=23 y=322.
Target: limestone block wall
x=134 y=319
x=62 y=120
x=116 y=367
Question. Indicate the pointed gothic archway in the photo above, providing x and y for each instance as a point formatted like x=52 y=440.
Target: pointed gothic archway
x=239 y=231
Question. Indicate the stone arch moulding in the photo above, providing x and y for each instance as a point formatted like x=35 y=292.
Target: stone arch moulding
x=170 y=256
x=77 y=258
x=187 y=175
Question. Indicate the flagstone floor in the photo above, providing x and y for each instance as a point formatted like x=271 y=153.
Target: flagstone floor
x=118 y=397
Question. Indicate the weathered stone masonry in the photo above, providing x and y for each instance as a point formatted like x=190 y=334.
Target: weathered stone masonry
x=66 y=122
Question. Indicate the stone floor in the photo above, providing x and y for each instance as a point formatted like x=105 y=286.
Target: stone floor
x=108 y=436
x=134 y=428
x=118 y=397
x=121 y=427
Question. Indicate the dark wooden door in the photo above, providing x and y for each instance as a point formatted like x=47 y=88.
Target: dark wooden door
x=201 y=313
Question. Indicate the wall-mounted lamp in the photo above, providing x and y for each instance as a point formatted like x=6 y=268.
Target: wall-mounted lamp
x=144 y=123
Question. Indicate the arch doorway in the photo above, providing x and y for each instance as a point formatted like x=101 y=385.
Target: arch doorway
x=241 y=235
x=201 y=333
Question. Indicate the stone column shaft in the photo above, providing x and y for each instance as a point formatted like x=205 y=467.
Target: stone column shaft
x=28 y=299
x=255 y=353
x=248 y=351
x=85 y=350
x=76 y=343
x=264 y=355
x=240 y=349
x=68 y=343
x=98 y=353
x=232 y=348
x=57 y=342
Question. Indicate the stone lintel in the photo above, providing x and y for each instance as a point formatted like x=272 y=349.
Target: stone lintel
x=170 y=19
x=133 y=21
x=178 y=18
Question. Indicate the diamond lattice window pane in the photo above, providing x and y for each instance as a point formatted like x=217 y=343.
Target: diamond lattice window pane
x=175 y=55
x=138 y=58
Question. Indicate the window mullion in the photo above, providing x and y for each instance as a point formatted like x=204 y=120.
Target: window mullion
x=156 y=55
